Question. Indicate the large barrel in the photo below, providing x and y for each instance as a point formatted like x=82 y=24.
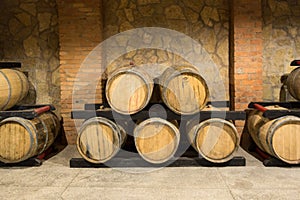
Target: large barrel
x=214 y=139
x=183 y=89
x=279 y=137
x=21 y=138
x=128 y=90
x=99 y=139
x=14 y=87
x=293 y=83
x=156 y=140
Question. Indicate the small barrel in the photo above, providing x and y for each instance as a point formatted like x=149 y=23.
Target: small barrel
x=214 y=139
x=128 y=90
x=279 y=137
x=21 y=138
x=183 y=89
x=14 y=87
x=99 y=139
x=293 y=83
x=156 y=140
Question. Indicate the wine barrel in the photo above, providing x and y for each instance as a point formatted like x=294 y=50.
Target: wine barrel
x=21 y=138
x=255 y=121
x=214 y=139
x=183 y=89
x=279 y=137
x=14 y=87
x=293 y=83
x=99 y=139
x=128 y=90
x=156 y=140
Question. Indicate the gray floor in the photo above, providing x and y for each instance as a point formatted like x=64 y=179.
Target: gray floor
x=55 y=180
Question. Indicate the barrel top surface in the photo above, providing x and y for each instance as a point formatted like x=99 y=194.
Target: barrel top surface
x=97 y=141
x=156 y=141
x=217 y=140
x=15 y=141
x=186 y=93
x=127 y=92
x=286 y=141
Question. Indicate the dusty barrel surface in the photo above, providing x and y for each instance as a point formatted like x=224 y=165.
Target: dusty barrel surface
x=128 y=90
x=183 y=89
x=293 y=83
x=214 y=139
x=21 y=138
x=99 y=139
x=156 y=140
x=279 y=137
x=14 y=87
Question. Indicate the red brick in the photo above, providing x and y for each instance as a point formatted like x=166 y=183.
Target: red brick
x=75 y=18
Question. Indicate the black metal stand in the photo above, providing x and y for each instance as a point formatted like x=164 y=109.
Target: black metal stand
x=274 y=162
x=139 y=162
x=295 y=63
x=10 y=65
x=293 y=109
x=188 y=158
x=98 y=110
x=24 y=111
x=31 y=162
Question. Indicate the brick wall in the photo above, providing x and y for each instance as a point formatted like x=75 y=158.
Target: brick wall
x=80 y=32
x=246 y=53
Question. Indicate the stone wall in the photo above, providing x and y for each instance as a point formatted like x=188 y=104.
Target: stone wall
x=29 y=34
x=281 y=34
x=206 y=21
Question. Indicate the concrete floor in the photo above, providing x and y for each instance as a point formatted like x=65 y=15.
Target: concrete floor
x=55 y=180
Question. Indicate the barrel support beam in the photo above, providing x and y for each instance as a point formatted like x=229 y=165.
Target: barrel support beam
x=139 y=162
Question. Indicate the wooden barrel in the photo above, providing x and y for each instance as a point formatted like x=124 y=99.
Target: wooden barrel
x=255 y=121
x=293 y=83
x=21 y=138
x=128 y=90
x=183 y=89
x=156 y=140
x=214 y=139
x=14 y=87
x=99 y=139
x=279 y=137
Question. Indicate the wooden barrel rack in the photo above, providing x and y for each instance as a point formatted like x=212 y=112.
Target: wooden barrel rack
x=186 y=159
x=292 y=109
x=27 y=112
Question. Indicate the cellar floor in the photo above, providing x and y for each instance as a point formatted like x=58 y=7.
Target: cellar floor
x=55 y=180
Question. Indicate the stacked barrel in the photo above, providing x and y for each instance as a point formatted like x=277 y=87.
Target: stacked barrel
x=184 y=91
x=22 y=138
x=14 y=87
